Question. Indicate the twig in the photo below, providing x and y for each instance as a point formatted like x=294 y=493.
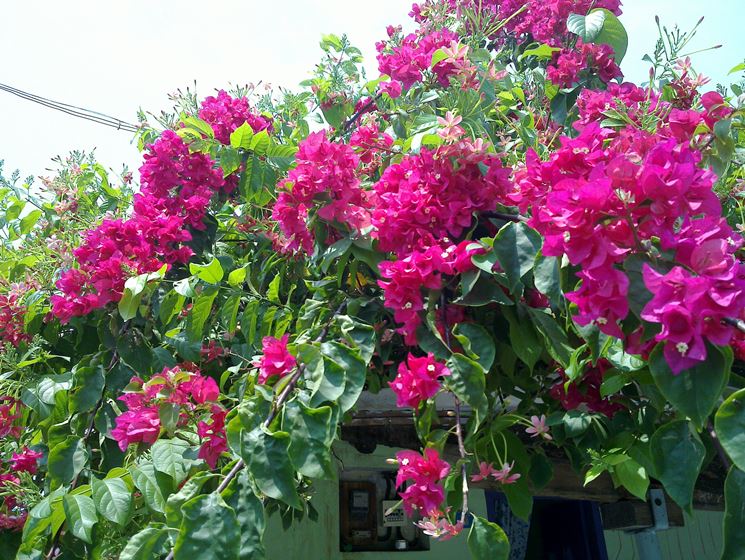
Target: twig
x=276 y=406
x=458 y=427
x=463 y=467
x=353 y=119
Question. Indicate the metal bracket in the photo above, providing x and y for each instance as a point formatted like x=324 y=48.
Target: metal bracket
x=659 y=509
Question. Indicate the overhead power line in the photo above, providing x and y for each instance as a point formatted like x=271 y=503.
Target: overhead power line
x=87 y=114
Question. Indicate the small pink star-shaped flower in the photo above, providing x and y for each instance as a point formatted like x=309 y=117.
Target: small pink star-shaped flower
x=538 y=427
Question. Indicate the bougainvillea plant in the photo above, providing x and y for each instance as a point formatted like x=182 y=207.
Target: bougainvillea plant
x=497 y=220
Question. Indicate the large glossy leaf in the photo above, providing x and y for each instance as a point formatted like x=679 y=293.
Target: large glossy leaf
x=354 y=368
x=200 y=312
x=267 y=456
x=695 y=391
x=677 y=455
x=80 y=512
x=148 y=544
x=112 y=499
x=487 y=541
x=734 y=515
x=477 y=343
x=614 y=34
x=588 y=26
x=730 y=427
x=67 y=459
x=88 y=384
x=209 y=530
x=311 y=432
x=190 y=489
x=249 y=512
x=168 y=458
x=154 y=485
x=516 y=246
x=211 y=272
x=468 y=383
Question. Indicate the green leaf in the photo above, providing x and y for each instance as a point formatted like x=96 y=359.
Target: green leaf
x=468 y=382
x=170 y=306
x=148 y=544
x=331 y=41
x=547 y=277
x=66 y=460
x=541 y=51
x=739 y=68
x=587 y=27
x=260 y=143
x=695 y=391
x=88 y=384
x=80 y=512
x=541 y=470
x=487 y=541
x=249 y=512
x=112 y=499
x=241 y=137
x=677 y=456
x=155 y=486
x=480 y=288
x=311 y=432
x=477 y=343
x=190 y=489
x=354 y=371
x=734 y=515
x=272 y=292
x=633 y=477
x=554 y=336
x=267 y=457
x=613 y=33
x=168 y=458
x=729 y=423
x=211 y=272
x=523 y=337
x=209 y=530
x=200 y=312
x=516 y=246
x=237 y=277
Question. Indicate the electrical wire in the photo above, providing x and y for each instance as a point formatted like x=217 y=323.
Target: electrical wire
x=80 y=112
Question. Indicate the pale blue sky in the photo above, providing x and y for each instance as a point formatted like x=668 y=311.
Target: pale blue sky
x=114 y=57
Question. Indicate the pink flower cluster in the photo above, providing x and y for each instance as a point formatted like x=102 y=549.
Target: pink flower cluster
x=418 y=379
x=176 y=189
x=424 y=494
x=407 y=59
x=544 y=21
x=565 y=68
x=194 y=395
x=226 y=113
x=11 y=411
x=609 y=194
x=276 y=360
x=406 y=277
x=503 y=475
x=13 y=513
x=370 y=143
x=692 y=300
x=585 y=391
x=324 y=178
x=12 y=316
x=434 y=194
